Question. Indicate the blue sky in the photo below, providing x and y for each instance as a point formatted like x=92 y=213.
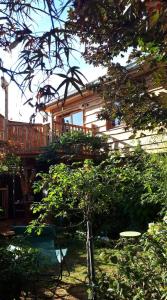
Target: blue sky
x=22 y=113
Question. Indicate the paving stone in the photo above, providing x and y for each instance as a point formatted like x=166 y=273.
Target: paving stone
x=48 y=294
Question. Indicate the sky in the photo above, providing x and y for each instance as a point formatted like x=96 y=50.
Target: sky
x=20 y=112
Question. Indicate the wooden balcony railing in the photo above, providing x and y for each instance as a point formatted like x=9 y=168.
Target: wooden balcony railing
x=24 y=138
x=60 y=128
x=27 y=138
x=1 y=135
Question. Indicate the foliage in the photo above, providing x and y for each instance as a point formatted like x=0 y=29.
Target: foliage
x=128 y=98
x=18 y=270
x=71 y=146
x=70 y=189
x=10 y=164
x=112 y=28
x=77 y=190
x=128 y=184
x=43 y=50
x=137 y=187
x=108 y=29
x=141 y=268
x=131 y=190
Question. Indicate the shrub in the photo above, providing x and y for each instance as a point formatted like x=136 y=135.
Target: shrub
x=137 y=189
x=18 y=270
x=71 y=146
x=141 y=268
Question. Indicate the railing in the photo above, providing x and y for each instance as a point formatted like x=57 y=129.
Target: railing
x=23 y=138
x=1 y=135
x=60 y=128
x=31 y=138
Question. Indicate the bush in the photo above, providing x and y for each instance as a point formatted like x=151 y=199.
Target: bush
x=141 y=268
x=72 y=146
x=133 y=190
x=18 y=270
x=137 y=189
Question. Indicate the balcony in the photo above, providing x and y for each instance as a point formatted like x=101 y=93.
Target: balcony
x=29 y=139
x=24 y=139
x=59 y=128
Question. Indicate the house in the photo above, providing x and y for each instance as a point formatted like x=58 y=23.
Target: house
x=80 y=112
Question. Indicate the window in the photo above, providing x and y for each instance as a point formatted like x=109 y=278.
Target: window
x=117 y=121
x=75 y=118
x=67 y=119
x=113 y=123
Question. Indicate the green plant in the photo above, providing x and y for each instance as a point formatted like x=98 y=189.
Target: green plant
x=141 y=268
x=133 y=190
x=137 y=187
x=77 y=190
x=135 y=31
x=73 y=145
x=19 y=270
x=128 y=185
x=10 y=163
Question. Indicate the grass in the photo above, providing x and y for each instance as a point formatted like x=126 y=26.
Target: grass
x=77 y=265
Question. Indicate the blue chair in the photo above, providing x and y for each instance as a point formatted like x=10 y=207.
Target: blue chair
x=50 y=256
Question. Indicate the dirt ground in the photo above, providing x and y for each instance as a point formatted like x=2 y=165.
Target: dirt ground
x=63 y=292
x=68 y=292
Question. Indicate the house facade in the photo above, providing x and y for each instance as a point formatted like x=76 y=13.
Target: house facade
x=80 y=113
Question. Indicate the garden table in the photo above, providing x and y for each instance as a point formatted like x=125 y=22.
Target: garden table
x=129 y=234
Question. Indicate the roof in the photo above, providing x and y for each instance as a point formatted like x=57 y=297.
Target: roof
x=134 y=69
x=73 y=97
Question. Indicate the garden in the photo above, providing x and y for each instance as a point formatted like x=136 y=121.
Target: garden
x=89 y=203
x=98 y=226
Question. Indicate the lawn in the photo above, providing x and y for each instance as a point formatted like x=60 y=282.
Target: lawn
x=126 y=262
x=76 y=284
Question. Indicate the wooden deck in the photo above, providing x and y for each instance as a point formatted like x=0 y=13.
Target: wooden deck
x=26 y=139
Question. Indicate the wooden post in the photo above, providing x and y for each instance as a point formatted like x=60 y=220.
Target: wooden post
x=51 y=128
x=94 y=129
x=4 y=85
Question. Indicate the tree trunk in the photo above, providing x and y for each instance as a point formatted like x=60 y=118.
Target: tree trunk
x=90 y=260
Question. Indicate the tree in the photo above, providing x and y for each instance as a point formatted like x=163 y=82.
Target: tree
x=78 y=190
x=136 y=186
x=140 y=267
x=37 y=32
x=110 y=28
